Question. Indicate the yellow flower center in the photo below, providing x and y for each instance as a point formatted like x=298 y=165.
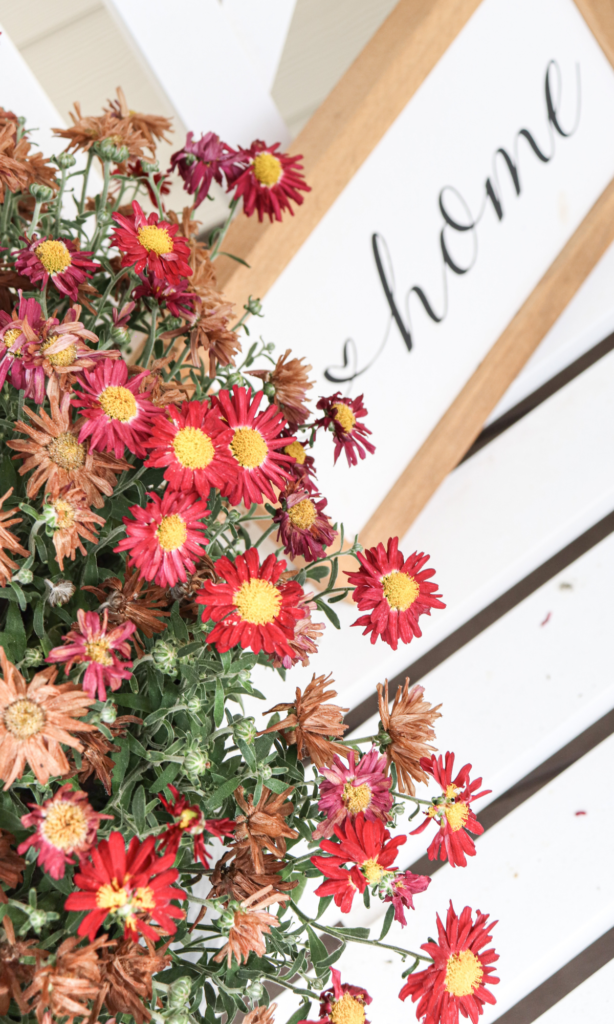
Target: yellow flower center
x=187 y=817
x=348 y=1010
x=400 y=590
x=155 y=239
x=24 y=718
x=267 y=169
x=65 y=825
x=296 y=450
x=356 y=798
x=65 y=514
x=118 y=403
x=303 y=514
x=193 y=448
x=463 y=973
x=249 y=447
x=451 y=791
x=111 y=896
x=98 y=651
x=257 y=601
x=457 y=815
x=66 y=451
x=344 y=416
x=54 y=256
x=373 y=871
x=144 y=898
x=172 y=532
x=10 y=337
x=63 y=358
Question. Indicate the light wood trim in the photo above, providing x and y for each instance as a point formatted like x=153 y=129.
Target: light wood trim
x=463 y=421
x=342 y=133
x=599 y=16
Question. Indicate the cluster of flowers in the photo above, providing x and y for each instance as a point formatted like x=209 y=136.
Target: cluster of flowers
x=146 y=460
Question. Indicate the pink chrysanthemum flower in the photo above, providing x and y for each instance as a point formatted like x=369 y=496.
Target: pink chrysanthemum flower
x=148 y=244
x=400 y=891
x=396 y=591
x=116 y=415
x=342 y=416
x=342 y=1004
x=253 y=608
x=65 y=825
x=191 y=444
x=304 y=529
x=306 y=634
x=452 y=811
x=59 y=259
x=303 y=468
x=255 y=446
x=270 y=183
x=456 y=980
x=203 y=161
x=345 y=791
x=165 y=537
x=95 y=645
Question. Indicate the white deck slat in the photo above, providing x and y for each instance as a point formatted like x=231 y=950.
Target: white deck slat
x=23 y=94
x=593 y=1000
x=262 y=29
x=544 y=872
x=221 y=91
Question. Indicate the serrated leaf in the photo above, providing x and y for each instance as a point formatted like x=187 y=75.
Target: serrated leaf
x=389 y=918
x=218 y=703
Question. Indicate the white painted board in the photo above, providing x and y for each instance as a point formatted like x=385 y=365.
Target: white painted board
x=593 y=1000
x=262 y=29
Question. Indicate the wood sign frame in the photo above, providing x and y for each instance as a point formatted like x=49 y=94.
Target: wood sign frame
x=335 y=143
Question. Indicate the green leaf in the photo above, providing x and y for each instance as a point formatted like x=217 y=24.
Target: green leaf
x=39 y=619
x=317 y=949
x=248 y=753
x=332 y=957
x=325 y=901
x=223 y=791
x=389 y=918
x=14 y=631
x=317 y=572
x=90 y=572
x=330 y=614
x=135 y=746
x=218 y=704
x=169 y=774
x=333 y=573
x=155 y=716
x=301 y=1014
x=179 y=627
x=276 y=785
x=121 y=759
x=356 y=933
x=138 y=810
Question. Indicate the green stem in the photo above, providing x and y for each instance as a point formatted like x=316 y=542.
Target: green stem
x=415 y=799
x=221 y=234
x=35 y=218
x=86 y=174
x=156 y=191
x=107 y=292
x=58 y=208
x=152 y=336
x=6 y=206
x=339 y=933
x=266 y=533
x=43 y=298
x=363 y=739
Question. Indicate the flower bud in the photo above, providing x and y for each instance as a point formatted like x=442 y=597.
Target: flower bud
x=245 y=730
x=253 y=306
x=179 y=993
x=164 y=657
x=269 y=347
x=269 y=389
x=38 y=919
x=226 y=920
x=42 y=193
x=254 y=991
x=233 y=515
x=34 y=656
x=236 y=380
x=194 y=704
x=196 y=762
x=150 y=166
x=108 y=713
x=121 y=336
x=244 y=676
x=59 y=593
x=65 y=161
x=178 y=1017
x=265 y=772
x=172 y=323
x=23 y=576
x=190 y=159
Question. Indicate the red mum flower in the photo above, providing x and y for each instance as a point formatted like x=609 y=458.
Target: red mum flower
x=64 y=825
x=94 y=645
x=58 y=259
x=134 y=886
x=342 y=415
x=365 y=844
x=253 y=445
x=304 y=529
x=192 y=443
x=400 y=891
x=346 y=791
x=173 y=295
x=342 y=1004
x=165 y=537
x=303 y=467
x=252 y=608
x=220 y=827
x=396 y=589
x=190 y=821
x=150 y=246
x=452 y=811
x=270 y=181
x=461 y=969
x=199 y=163
x=135 y=170
x=116 y=415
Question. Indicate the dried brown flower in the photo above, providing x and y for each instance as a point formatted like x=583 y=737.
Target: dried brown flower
x=133 y=600
x=59 y=459
x=409 y=725
x=234 y=875
x=151 y=126
x=261 y=1015
x=11 y=864
x=8 y=542
x=211 y=335
x=35 y=720
x=96 y=747
x=311 y=724
x=290 y=380
x=64 y=985
x=14 y=172
x=126 y=979
x=264 y=825
x=162 y=392
x=249 y=928
x=74 y=519
x=307 y=634
x=85 y=131
x=14 y=974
